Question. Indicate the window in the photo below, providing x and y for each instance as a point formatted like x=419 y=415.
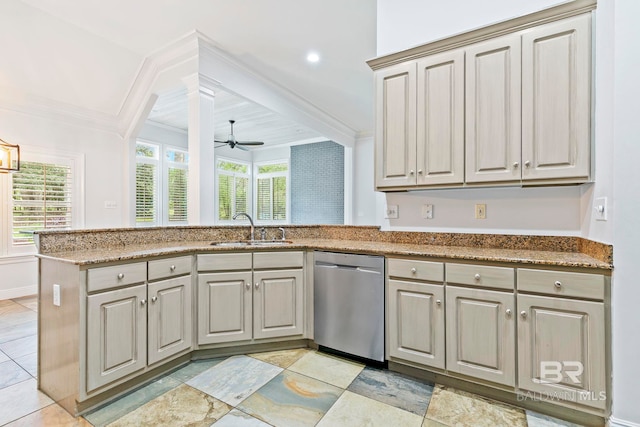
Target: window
x=161 y=185
x=272 y=189
x=42 y=198
x=233 y=188
x=44 y=194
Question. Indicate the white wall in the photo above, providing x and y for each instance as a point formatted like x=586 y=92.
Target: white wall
x=163 y=135
x=626 y=205
x=103 y=170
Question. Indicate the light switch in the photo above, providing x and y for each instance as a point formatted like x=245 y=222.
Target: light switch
x=110 y=204
x=600 y=208
x=481 y=211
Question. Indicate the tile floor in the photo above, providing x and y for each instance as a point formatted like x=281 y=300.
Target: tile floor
x=284 y=388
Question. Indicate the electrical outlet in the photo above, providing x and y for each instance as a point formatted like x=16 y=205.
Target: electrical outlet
x=391 y=212
x=56 y=295
x=481 y=211
x=427 y=211
x=110 y=204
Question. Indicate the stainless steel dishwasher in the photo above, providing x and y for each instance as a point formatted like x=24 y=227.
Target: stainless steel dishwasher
x=348 y=293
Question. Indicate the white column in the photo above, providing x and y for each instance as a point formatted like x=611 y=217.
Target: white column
x=200 y=201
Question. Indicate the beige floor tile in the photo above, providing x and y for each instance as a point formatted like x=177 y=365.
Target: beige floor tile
x=52 y=415
x=354 y=410
x=182 y=406
x=20 y=347
x=281 y=358
x=31 y=302
x=330 y=369
x=459 y=409
x=21 y=399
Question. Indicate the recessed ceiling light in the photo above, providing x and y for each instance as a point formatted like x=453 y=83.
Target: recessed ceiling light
x=313 y=57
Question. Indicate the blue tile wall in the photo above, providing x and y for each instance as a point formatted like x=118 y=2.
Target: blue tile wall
x=317 y=183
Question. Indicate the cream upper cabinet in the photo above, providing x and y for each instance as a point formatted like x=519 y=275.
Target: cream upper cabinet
x=492 y=127
x=440 y=119
x=556 y=105
x=507 y=104
x=396 y=126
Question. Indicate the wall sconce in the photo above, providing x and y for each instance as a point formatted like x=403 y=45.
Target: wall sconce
x=9 y=157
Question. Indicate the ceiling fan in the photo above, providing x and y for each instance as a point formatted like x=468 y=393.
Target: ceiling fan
x=232 y=142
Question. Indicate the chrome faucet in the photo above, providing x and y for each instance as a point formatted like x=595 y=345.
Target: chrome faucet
x=283 y=236
x=250 y=221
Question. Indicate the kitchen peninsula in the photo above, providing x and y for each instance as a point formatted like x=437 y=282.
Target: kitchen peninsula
x=136 y=303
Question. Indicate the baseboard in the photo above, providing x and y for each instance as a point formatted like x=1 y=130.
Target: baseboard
x=614 y=422
x=22 y=291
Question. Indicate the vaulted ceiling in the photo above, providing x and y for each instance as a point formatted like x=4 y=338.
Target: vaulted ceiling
x=271 y=37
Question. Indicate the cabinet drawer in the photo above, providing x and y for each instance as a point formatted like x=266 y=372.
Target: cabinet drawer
x=169 y=267
x=562 y=283
x=480 y=275
x=224 y=262
x=419 y=270
x=269 y=260
x=101 y=278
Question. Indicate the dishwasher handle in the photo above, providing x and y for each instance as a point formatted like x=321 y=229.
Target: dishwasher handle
x=322 y=264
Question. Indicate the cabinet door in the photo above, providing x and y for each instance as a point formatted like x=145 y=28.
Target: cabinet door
x=116 y=335
x=493 y=140
x=481 y=334
x=169 y=325
x=440 y=119
x=395 y=137
x=416 y=322
x=224 y=307
x=561 y=349
x=278 y=303
x=556 y=105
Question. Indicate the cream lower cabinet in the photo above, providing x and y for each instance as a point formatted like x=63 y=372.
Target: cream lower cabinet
x=481 y=325
x=262 y=298
x=116 y=334
x=561 y=339
x=415 y=314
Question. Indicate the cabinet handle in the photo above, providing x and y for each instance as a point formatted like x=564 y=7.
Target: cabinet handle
x=477 y=276
x=438 y=302
x=558 y=284
x=413 y=270
x=527 y=164
x=154 y=298
x=143 y=301
x=411 y=172
x=172 y=268
x=508 y=312
x=419 y=171
x=257 y=285
x=120 y=276
x=515 y=165
x=248 y=286
x=523 y=314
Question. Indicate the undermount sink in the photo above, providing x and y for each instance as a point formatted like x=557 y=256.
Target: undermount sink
x=241 y=243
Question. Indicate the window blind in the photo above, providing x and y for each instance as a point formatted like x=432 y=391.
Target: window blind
x=42 y=198
x=177 y=194
x=146 y=193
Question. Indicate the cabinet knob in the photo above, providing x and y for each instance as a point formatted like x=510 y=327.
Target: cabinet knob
x=248 y=285
x=558 y=284
x=412 y=172
x=523 y=314
x=477 y=276
x=527 y=164
x=143 y=301
x=257 y=285
x=419 y=171
x=154 y=298
x=515 y=165
x=172 y=268
x=413 y=270
x=438 y=302
x=508 y=312
x=120 y=276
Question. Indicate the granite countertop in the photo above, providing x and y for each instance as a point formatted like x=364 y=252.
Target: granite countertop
x=534 y=257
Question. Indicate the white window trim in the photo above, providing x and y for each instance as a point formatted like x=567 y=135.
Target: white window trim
x=166 y=164
x=287 y=174
x=217 y=190
x=36 y=154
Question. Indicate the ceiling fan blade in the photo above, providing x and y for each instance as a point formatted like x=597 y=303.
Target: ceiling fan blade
x=250 y=142
x=217 y=140
x=240 y=147
x=221 y=145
